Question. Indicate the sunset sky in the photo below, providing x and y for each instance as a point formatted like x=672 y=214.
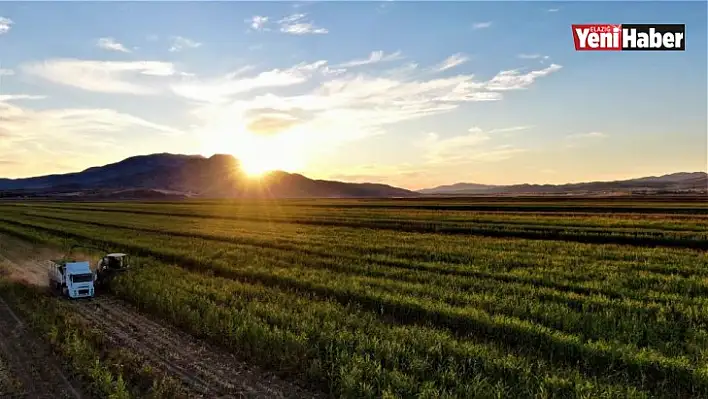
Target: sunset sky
x=414 y=94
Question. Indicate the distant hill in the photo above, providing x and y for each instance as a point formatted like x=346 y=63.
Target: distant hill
x=671 y=183
x=181 y=176
x=173 y=176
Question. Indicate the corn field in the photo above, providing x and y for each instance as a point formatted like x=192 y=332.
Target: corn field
x=394 y=298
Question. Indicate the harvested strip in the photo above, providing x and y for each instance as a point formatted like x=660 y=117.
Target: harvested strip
x=31 y=361
x=206 y=370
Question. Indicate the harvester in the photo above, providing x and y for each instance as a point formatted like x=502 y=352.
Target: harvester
x=109 y=266
x=75 y=279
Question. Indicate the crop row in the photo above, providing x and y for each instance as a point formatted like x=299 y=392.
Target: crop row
x=695 y=206
x=680 y=272
x=629 y=236
x=288 y=210
x=350 y=351
x=387 y=247
x=406 y=309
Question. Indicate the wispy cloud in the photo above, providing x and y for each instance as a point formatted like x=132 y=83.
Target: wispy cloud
x=29 y=137
x=5 y=25
x=515 y=80
x=180 y=43
x=28 y=123
x=102 y=76
x=324 y=113
x=530 y=56
x=510 y=129
x=15 y=97
x=109 y=43
x=451 y=62
x=374 y=57
x=553 y=9
x=258 y=22
x=296 y=24
x=220 y=89
x=469 y=147
x=6 y=72
x=481 y=25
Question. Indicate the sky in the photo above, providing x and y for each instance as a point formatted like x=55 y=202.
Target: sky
x=413 y=94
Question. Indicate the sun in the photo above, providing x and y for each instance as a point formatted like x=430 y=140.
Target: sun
x=257 y=154
x=258 y=157
x=257 y=167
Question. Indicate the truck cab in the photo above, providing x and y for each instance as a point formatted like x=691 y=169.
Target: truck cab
x=73 y=279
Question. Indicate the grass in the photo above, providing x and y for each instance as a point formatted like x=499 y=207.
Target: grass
x=431 y=299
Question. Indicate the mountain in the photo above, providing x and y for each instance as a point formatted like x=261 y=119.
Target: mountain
x=180 y=176
x=675 y=182
x=172 y=176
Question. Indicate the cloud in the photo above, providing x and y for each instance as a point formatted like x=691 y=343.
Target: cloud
x=515 y=80
x=481 y=25
x=15 y=97
x=6 y=72
x=109 y=43
x=553 y=9
x=272 y=123
x=27 y=124
x=451 y=62
x=180 y=43
x=321 y=114
x=529 y=56
x=132 y=77
x=220 y=89
x=5 y=25
x=375 y=173
x=296 y=25
x=257 y=22
x=64 y=140
x=374 y=58
x=510 y=129
x=466 y=148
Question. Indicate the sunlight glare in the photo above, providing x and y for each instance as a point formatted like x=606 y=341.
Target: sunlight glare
x=258 y=154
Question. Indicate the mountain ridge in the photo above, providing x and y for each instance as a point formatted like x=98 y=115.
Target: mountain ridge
x=176 y=175
x=166 y=175
x=674 y=182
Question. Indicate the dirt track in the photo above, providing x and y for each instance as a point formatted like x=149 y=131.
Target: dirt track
x=205 y=371
x=30 y=361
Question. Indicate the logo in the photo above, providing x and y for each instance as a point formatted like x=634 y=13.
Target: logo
x=629 y=37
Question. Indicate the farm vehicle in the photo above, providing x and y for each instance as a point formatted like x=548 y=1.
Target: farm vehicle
x=76 y=279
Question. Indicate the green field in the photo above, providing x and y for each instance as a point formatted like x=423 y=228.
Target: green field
x=435 y=298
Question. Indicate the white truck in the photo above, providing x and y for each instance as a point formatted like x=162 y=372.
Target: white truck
x=72 y=279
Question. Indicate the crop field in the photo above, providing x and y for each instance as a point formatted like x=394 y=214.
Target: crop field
x=418 y=298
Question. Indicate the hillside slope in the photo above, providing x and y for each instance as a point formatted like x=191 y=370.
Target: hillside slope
x=170 y=176
x=675 y=182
